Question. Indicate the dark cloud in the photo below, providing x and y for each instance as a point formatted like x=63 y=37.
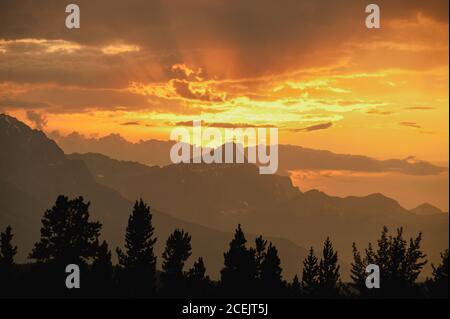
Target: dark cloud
x=295 y=157
x=13 y=103
x=137 y=123
x=183 y=89
x=88 y=68
x=223 y=125
x=255 y=31
x=420 y=108
x=63 y=99
x=131 y=123
x=379 y=112
x=317 y=127
x=39 y=120
x=410 y=124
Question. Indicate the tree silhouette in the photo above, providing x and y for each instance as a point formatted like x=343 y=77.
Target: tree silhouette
x=438 y=285
x=239 y=273
x=310 y=275
x=260 y=252
x=358 y=270
x=400 y=265
x=102 y=271
x=271 y=277
x=137 y=265
x=7 y=253
x=198 y=283
x=329 y=276
x=178 y=250
x=67 y=235
x=295 y=287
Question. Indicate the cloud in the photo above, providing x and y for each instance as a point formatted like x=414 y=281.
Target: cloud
x=58 y=99
x=249 y=35
x=410 y=124
x=130 y=123
x=425 y=108
x=296 y=158
x=317 y=127
x=13 y=103
x=136 y=123
x=379 y=112
x=183 y=89
x=224 y=125
x=37 y=119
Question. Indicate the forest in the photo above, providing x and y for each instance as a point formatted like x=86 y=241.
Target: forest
x=250 y=270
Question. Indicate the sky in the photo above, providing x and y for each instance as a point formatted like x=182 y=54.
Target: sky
x=311 y=68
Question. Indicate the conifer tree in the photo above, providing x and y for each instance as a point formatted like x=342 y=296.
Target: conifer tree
x=400 y=265
x=271 y=271
x=439 y=285
x=102 y=271
x=137 y=265
x=329 y=276
x=310 y=275
x=67 y=235
x=197 y=280
x=260 y=251
x=239 y=273
x=295 y=287
x=358 y=271
x=7 y=253
x=178 y=250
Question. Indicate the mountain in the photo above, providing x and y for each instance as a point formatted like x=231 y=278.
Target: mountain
x=195 y=192
x=220 y=196
x=291 y=157
x=34 y=171
x=426 y=209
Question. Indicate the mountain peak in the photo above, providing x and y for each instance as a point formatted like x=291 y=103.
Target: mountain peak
x=426 y=209
x=24 y=145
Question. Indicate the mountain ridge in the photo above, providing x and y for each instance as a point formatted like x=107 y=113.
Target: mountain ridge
x=30 y=184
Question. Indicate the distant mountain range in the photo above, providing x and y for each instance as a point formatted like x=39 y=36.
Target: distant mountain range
x=206 y=200
x=220 y=196
x=291 y=157
x=34 y=171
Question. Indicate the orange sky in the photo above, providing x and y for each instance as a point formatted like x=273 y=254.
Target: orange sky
x=310 y=68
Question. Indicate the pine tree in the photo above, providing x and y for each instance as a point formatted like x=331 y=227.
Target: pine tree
x=358 y=271
x=137 y=264
x=415 y=260
x=67 y=235
x=102 y=271
x=198 y=271
x=329 y=277
x=197 y=280
x=438 y=285
x=7 y=253
x=260 y=252
x=400 y=265
x=271 y=277
x=178 y=250
x=310 y=275
x=295 y=287
x=239 y=273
